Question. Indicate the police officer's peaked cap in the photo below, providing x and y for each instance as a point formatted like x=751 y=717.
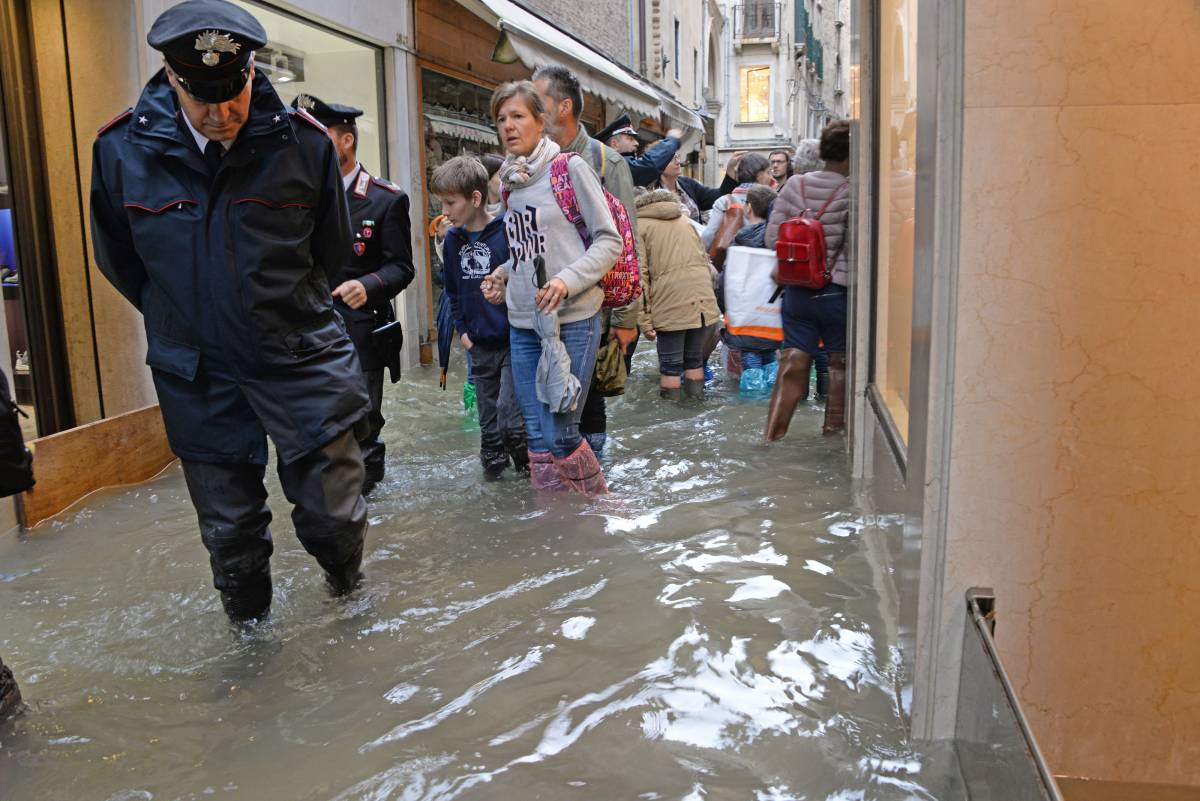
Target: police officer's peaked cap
x=208 y=44
x=621 y=125
x=327 y=113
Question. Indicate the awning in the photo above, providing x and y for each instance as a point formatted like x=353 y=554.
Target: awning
x=538 y=43
x=680 y=114
x=462 y=129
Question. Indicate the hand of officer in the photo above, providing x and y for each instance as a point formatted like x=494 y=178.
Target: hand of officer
x=466 y=340
x=493 y=286
x=551 y=295
x=675 y=132
x=624 y=336
x=352 y=293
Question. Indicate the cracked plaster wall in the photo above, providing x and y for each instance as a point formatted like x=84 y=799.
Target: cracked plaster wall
x=1074 y=479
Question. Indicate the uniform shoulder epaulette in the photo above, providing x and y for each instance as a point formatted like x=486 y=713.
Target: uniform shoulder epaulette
x=114 y=122
x=310 y=119
x=388 y=185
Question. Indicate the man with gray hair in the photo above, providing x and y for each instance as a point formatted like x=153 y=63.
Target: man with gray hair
x=808 y=156
x=563 y=98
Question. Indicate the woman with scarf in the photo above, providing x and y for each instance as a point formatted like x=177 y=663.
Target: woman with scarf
x=551 y=279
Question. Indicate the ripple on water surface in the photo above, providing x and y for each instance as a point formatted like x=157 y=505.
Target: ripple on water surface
x=718 y=628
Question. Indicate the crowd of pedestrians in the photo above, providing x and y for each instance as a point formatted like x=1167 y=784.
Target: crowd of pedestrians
x=556 y=257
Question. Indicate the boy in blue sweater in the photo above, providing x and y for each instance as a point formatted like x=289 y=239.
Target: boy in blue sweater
x=474 y=247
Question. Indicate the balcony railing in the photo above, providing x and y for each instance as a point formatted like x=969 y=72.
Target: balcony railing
x=756 y=22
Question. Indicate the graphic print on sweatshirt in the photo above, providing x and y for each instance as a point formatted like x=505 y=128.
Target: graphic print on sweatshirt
x=475 y=260
x=525 y=241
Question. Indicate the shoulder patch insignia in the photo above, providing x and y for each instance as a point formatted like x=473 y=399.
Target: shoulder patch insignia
x=310 y=119
x=114 y=122
x=388 y=185
x=361 y=183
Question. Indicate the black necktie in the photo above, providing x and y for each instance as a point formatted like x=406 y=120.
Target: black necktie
x=213 y=153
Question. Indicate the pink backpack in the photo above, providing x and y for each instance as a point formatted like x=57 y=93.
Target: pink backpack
x=622 y=284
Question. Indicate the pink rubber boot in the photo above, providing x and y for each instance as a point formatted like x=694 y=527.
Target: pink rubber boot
x=543 y=473
x=581 y=471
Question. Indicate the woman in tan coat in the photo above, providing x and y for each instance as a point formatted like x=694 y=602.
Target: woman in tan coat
x=679 y=307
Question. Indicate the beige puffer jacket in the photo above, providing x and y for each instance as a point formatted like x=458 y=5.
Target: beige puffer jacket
x=677 y=289
x=818 y=187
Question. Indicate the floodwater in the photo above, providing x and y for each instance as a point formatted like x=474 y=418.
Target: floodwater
x=720 y=627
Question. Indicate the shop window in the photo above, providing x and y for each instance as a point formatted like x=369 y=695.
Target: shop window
x=755 y=94
x=897 y=169
x=302 y=57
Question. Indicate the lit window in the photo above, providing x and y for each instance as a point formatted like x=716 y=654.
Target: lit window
x=756 y=94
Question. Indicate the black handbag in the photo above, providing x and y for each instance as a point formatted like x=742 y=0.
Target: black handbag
x=16 y=462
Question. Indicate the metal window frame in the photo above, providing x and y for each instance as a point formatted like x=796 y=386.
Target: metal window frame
x=20 y=114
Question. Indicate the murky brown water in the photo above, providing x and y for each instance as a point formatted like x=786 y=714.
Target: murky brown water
x=719 y=628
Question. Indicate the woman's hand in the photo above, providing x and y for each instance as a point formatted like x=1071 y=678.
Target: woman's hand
x=493 y=286
x=551 y=295
x=650 y=334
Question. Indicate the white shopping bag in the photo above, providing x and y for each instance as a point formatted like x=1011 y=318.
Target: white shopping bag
x=748 y=290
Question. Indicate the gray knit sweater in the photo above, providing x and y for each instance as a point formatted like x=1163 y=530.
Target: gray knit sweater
x=536 y=226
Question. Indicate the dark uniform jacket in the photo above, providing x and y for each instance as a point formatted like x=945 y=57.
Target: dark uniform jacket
x=647 y=167
x=232 y=277
x=381 y=258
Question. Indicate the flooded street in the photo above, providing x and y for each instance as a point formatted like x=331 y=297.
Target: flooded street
x=719 y=627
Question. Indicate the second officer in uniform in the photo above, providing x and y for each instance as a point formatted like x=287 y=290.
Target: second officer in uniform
x=378 y=267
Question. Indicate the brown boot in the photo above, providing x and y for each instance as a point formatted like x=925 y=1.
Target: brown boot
x=790 y=386
x=835 y=403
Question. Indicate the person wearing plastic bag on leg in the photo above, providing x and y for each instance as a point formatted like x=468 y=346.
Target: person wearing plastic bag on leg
x=569 y=284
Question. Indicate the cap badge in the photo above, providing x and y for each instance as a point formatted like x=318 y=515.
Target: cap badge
x=213 y=43
x=305 y=102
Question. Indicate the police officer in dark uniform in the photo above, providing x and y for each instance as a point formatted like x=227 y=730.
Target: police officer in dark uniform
x=380 y=266
x=220 y=215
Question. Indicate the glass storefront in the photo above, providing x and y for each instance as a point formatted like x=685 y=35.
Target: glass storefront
x=301 y=57
x=14 y=340
x=896 y=166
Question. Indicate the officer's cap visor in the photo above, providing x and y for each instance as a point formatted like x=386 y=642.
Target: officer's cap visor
x=219 y=91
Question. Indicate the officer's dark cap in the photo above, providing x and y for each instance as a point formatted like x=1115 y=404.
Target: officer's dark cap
x=209 y=45
x=328 y=114
x=616 y=125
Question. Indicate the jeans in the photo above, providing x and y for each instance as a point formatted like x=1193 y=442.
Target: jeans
x=683 y=350
x=755 y=359
x=546 y=430
x=500 y=423
x=811 y=316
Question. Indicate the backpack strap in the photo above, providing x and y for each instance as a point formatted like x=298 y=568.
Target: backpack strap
x=599 y=156
x=833 y=197
x=564 y=193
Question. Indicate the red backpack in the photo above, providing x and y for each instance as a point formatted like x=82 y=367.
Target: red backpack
x=800 y=249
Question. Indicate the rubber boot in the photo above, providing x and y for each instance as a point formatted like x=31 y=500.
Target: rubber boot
x=248 y=603
x=790 y=386
x=670 y=393
x=10 y=693
x=519 y=455
x=822 y=384
x=835 y=404
x=581 y=471
x=542 y=472
x=494 y=462
x=346 y=577
x=372 y=475
x=693 y=389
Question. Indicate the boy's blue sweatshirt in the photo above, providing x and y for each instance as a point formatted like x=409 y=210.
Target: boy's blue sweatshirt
x=464 y=266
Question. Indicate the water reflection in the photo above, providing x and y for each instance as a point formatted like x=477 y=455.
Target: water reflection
x=717 y=628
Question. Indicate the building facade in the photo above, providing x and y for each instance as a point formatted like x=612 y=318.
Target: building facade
x=787 y=72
